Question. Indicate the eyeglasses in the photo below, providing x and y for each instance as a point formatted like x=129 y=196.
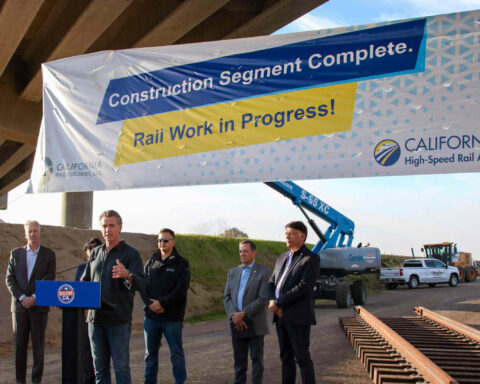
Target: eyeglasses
x=164 y=240
x=90 y=247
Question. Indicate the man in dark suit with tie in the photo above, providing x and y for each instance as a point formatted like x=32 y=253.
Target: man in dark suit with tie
x=291 y=301
x=26 y=265
x=245 y=300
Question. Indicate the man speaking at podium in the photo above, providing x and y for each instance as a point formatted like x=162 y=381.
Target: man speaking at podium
x=26 y=265
x=115 y=265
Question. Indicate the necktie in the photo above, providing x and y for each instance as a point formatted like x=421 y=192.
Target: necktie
x=284 y=275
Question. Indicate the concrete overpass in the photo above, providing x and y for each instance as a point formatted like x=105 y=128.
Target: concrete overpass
x=37 y=31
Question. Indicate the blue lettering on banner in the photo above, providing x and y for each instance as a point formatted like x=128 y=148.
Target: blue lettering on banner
x=438 y=143
x=392 y=49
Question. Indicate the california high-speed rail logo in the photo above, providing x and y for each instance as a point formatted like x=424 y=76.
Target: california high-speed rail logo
x=387 y=152
x=46 y=171
x=66 y=293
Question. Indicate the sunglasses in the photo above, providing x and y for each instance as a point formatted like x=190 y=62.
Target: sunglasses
x=164 y=240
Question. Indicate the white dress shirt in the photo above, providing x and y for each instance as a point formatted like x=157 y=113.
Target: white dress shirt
x=284 y=275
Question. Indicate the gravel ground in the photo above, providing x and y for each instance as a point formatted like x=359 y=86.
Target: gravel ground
x=209 y=352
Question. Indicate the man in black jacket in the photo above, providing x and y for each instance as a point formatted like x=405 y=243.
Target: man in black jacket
x=292 y=303
x=115 y=265
x=167 y=278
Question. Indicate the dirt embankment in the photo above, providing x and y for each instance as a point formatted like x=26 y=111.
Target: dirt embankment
x=68 y=246
x=207 y=345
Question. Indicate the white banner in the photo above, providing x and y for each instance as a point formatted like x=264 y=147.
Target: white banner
x=386 y=99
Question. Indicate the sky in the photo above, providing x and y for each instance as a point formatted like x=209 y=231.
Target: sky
x=395 y=213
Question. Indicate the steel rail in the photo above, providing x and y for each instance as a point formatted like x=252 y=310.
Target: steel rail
x=463 y=329
x=425 y=367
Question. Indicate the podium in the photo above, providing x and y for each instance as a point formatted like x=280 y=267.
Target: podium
x=73 y=297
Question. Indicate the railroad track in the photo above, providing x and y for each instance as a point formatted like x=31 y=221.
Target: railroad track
x=427 y=348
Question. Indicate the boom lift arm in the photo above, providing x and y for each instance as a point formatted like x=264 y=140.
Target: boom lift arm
x=337 y=256
x=340 y=231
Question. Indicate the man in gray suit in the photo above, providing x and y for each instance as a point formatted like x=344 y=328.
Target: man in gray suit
x=245 y=301
x=26 y=265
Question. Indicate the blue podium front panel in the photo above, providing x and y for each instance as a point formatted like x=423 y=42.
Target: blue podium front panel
x=75 y=294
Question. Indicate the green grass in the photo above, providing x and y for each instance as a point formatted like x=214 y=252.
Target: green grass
x=213 y=315
x=211 y=257
x=391 y=261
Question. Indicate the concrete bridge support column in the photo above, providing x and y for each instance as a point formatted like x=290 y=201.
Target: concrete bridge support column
x=77 y=209
x=4 y=201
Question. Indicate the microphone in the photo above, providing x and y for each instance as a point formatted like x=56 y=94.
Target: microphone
x=57 y=273
x=69 y=269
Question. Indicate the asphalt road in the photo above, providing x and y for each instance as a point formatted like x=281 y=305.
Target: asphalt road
x=209 y=352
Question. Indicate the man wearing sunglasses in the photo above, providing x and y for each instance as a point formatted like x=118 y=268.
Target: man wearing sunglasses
x=167 y=278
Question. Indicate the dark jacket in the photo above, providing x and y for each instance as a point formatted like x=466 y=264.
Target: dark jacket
x=296 y=295
x=17 y=278
x=255 y=297
x=116 y=295
x=166 y=281
x=80 y=270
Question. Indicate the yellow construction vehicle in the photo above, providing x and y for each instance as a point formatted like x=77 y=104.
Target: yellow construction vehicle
x=447 y=252
x=476 y=265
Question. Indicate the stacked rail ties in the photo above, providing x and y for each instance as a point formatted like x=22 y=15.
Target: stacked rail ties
x=427 y=348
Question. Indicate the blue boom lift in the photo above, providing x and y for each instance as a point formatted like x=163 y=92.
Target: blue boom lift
x=337 y=256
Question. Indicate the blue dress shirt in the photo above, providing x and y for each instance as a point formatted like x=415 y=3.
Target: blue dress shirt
x=243 y=283
x=31 y=259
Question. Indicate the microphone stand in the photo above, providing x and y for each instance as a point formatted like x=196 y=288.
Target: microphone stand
x=72 y=344
x=68 y=269
x=57 y=273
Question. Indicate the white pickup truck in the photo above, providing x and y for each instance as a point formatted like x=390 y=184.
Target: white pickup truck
x=420 y=271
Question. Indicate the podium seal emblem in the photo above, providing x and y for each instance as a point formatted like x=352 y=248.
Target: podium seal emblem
x=66 y=294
